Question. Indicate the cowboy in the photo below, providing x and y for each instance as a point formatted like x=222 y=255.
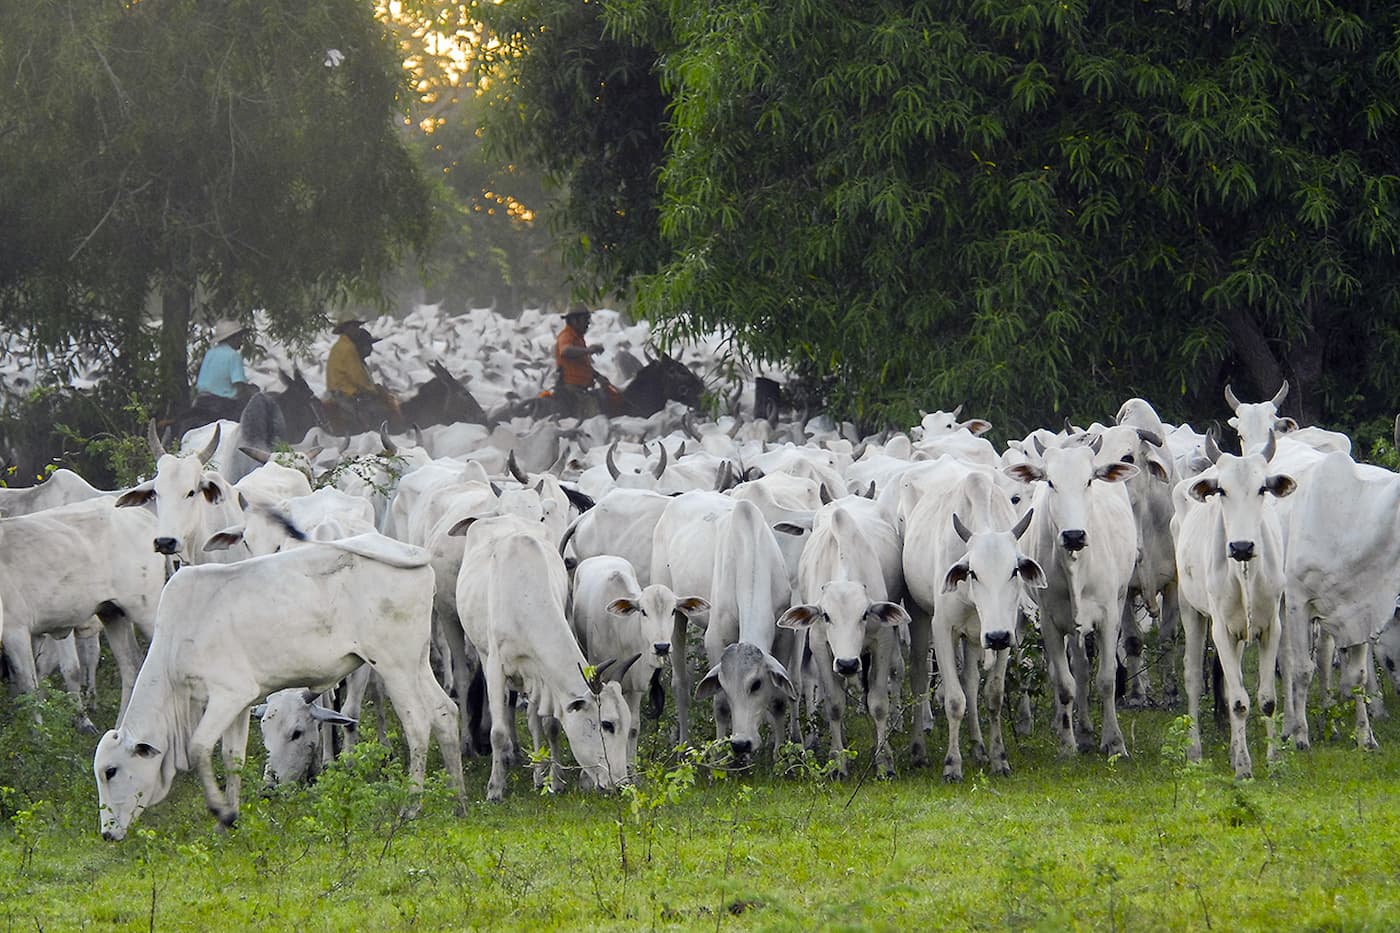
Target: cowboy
x=349 y=386
x=222 y=387
x=573 y=358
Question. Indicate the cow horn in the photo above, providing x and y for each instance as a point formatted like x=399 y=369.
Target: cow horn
x=688 y=425
x=1270 y=447
x=724 y=476
x=390 y=447
x=1150 y=437
x=958 y=411
x=1096 y=444
x=1230 y=399
x=661 y=463
x=622 y=671
x=734 y=428
x=680 y=451
x=417 y=436
x=1212 y=448
x=207 y=453
x=870 y=493
x=961 y=529
x=515 y=470
x=1070 y=429
x=824 y=494
x=1022 y=524
x=153 y=441
x=495 y=490
x=859 y=451
x=1039 y=447
x=253 y=453
x=612 y=464
x=1281 y=394
x=344 y=445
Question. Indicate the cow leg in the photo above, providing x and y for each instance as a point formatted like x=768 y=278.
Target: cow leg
x=1376 y=697
x=1061 y=686
x=233 y=747
x=1229 y=649
x=1169 y=642
x=920 y=633
x=1297 y=671
x=878 y=698
x=220 y=716
x=456 y=640
x=1025 y=717
x=1112 y=742
x=994 y=693
x=125 y=651
x=1326 y=652
x=954 y=701
x=634 y=704
x=973 y=658
x=502 y=724
x=1079 y=671
x=680 y=678
x=833 y=699
x=1269 y=637
x=1130 y=628
x=424 y=709
x=1354 y=659
x=1193 y=627
x=544 y=730
x=442 y=722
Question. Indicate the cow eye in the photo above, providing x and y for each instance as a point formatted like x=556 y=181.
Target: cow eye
x=1050 y=484
x=608 y=726
x=754 y=687
x=110 y=773
x=972 y=575
x=296 y=734
x=1127 y=458
x=190 y=494
x=1015 y=500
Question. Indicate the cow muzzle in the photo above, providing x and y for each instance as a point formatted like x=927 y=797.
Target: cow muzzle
x=742 y=748
x=662 y=649
x=1074 y=539
x=847 y=667
x=1241 y=550
x=166 y=545
x=996 y=641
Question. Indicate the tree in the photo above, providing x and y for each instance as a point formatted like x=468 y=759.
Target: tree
x=224 y=156
x=1042 y=206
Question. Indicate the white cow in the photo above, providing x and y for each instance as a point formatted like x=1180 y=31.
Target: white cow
x=1342 y=571
x=291 y=723
x=190 y=503
x=621 y=523
x=848 y=616
x=1229 y=554
x=614 y=616
x=1084 y=538
x=64 y=565
x=511 y=598
x=964 y=568
x=363 y=600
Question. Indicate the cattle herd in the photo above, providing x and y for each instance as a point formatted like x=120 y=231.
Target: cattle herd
x=569 y=567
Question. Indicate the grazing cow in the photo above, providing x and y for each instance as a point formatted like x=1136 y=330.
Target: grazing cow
x=64 y=565
x=621 y=523
x=848 y=616
x=190 y=503
x=290 y=721
x=1342 y=571
x=324 y=515
x=614 y=616
x=363 y=600
x=1084 y=539
x=511 y=598
x=970 y=574
x=1229 y=554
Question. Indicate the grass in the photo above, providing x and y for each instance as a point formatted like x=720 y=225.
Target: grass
x=1145 y=842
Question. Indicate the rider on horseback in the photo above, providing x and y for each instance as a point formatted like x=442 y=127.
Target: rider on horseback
x=573 y=358
x=355 y=402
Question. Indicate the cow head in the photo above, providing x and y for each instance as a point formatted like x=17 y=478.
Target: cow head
x=847 y=613
x=994 y=573
x=1067 y=473
x=179 y=493
x=1254 y=421
x=291 y=732
x=654 y=612
x=597 y=722
x=131 y=775
x=750 y=686
x=1141 y=447
x=1240 y=487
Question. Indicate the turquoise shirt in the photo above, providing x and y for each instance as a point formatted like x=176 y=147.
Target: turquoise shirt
x=222 y=367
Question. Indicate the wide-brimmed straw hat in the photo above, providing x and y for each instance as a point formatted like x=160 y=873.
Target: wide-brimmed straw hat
x=225 y=329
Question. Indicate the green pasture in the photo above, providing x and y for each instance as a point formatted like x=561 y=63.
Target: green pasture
x=1140 y=843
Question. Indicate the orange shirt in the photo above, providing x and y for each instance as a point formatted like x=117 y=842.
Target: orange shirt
x=575 y=372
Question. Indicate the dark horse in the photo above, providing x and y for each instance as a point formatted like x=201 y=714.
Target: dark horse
x=661 y=380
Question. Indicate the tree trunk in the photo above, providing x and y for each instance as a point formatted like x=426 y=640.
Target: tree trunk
x=173 y=393
x=1252 y=349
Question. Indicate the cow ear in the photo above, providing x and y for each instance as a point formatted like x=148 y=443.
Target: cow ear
x=321 y=714
x=462 y=527
x=1157 y=469
x=146 y=750
x=790 y=528
x=576 y=704
x=223 y=540
x=709 y=684
x=799 y=617
x=1024 y=472
x=213 y=494
x=1285 y=425
x=977 y=426
x=1115 y=472
x=1031 y=573
x=137 y=495
x=887 y=613
x=1280 y=485
x=623 y=606
x=1203 y=489
x=242 y=501
x=693 y=604
x=955 y=575
x=259 y=711
x=778 y=677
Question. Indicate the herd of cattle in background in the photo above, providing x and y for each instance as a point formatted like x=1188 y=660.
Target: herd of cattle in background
x=574 y=564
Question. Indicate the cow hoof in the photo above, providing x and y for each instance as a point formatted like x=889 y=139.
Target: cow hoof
x=1116 y=747
x=227 y=818
x=918 y=757
x=979 y=753
x=1369 y=744
x=1001 y=768
x=1084 y=746
x=952 y=776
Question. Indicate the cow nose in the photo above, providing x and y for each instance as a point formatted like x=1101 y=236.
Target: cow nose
x=1074 y=540
x=109 y=835
x=662 y=648
x=1242 y=550
x=741 y=747
x=847 y=667
x=996 y=641
x=165 y=545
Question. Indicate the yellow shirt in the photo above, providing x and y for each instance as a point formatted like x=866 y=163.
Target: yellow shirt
x=345 y=371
